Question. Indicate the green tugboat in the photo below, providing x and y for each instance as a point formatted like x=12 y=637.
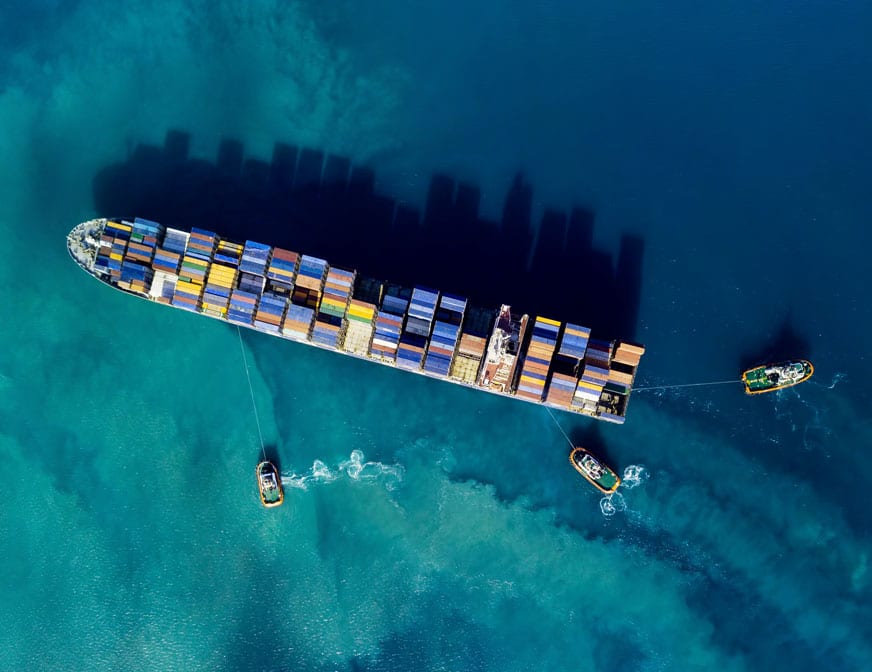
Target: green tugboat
x=600 y=475
x=270 y=484
x=771 y=377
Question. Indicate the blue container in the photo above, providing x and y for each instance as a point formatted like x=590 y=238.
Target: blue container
x=265 y=326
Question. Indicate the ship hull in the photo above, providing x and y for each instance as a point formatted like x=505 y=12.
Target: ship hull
x=760 y=379
x=608 y=403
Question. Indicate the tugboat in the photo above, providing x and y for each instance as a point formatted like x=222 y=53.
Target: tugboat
x=269 y=484
x=771 y=377
x=599 y=474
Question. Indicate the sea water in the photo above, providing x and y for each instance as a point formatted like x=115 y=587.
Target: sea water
x=427 y=526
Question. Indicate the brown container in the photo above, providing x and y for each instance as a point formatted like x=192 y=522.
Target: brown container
x=286 y=255
x=269 y=318
x=472 y=345
x=627 y=358
x=629 y=347
x=308 y=283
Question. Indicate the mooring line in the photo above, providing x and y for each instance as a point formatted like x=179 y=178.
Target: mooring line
x=669 y=387
x=559 y=427
x=251 y=392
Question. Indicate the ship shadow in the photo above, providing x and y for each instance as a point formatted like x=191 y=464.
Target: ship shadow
x=786 y=344
x=325 y=205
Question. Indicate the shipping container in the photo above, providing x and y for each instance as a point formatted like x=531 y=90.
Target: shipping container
x=270 y=312
x=255 y=257
x=537 y=359
x=416 y=329
x=163 y=286
x=474 y=334
x=421 y=311
x=282 y=270
x=446 y=332
x=361 y=315
x=298 y=322
x=389 y=322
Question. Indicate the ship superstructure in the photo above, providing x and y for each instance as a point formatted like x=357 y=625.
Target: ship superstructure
x=303 y=298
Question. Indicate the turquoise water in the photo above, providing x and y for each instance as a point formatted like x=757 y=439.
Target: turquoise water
x=458 y=537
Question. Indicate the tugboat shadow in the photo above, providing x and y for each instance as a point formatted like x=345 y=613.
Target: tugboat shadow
x=271 y=453
x=787 y=344
x=590 y=438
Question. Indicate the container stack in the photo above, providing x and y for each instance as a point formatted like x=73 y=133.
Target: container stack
x=567 y=364
x=358 y=333
x=477 y=325
x=166 y=260
x=228 y=253
x=187 y=293
x=252 y=267
x=113 y=244
x=594 y=375
x=330 y=322
x=467 y=362
x=282 y=268
x=135 y=276
x=195 y=266
x=298 y=322
x=310 y=281
x=169 y=254
x=305 y=295
x=443 y=342
x=421 y=311
x=270 y=312
x=136 y=272
x=242 y=306
x=419 y=323
x=201 y=244
x=534 y=373
x=361 y=316
x=219 y=285
x=222 y=279
x=389 y=323
x=599 y=353
x=623 y=367
x=143 y=240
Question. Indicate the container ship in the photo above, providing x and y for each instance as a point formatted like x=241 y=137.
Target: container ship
x=303 y=298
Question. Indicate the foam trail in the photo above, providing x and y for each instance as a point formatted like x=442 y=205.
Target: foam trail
x=354 y=468
x=611 y=504
x=634 y=475
x=838 y=378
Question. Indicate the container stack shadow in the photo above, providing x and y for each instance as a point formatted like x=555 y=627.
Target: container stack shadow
x=327 y=207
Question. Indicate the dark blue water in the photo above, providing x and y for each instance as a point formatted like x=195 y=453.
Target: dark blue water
x=728 y=143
